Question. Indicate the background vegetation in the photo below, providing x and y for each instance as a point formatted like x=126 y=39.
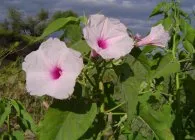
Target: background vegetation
x=149 y=94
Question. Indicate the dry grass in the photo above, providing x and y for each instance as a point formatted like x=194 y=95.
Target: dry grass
x=12 y=86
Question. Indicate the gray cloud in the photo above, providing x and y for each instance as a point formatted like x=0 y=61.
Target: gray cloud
x=133 y=13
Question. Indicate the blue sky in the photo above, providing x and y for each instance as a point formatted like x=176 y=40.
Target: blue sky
x=133 y=13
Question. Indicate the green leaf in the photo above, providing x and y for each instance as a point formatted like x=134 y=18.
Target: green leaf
x=56 y=25
x=162 y=7
x=188 y=46
x=5 y=114
x=81 y=46
x=184 y=14
x=141 y=55
x=25 y=117
x=153 y=123
x=18 y=135
x=185 y=26
x=73 y=33
x=188 y=31
x=15 y=105
x=190 y=36
x=131 y=74
x=157 y=10
x=167 y=23
x=29 y=120
x=148 y=49
x=83 y=19
x=67 y=120
x=2 y=107
x=158 y=121
x=167 y=66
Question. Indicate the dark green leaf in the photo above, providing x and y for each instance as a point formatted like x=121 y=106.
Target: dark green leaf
x=158 y=121
x=67 y=120
x=142 y=55
x=162 y=7
x=184 y=14
x=158 y=9
x=131 y=74
x=15 y=105
x=5 y=114
x=166 y=66
x=27 y=117
x=153 y=122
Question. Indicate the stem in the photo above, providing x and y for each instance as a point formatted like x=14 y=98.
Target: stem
x=117 y=113
x=176 y=16
x=8 y=124
x=184 y=60
x=174 y=46
x=115 y=107
x=101 y=89
x=179 y=125
x=177 y=81
x=89 y=80
x=178 y=112
x=81 y=82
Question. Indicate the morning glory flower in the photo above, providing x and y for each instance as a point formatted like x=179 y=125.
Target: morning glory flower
x=157 y=37
x=108 y=37
x=52 y=69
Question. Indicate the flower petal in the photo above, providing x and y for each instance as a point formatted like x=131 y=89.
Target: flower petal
x=105 y=35
x=158 y=37
x=40 y=65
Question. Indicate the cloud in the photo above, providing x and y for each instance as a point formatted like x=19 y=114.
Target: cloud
x=133 y=13
x=98 y=1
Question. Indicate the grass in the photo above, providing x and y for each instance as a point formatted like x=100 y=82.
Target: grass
x=12 y=86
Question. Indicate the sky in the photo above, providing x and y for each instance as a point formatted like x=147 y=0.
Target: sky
x=133 y=13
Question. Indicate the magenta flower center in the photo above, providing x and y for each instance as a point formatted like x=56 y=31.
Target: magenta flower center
x=102 y=43
x=56 y=73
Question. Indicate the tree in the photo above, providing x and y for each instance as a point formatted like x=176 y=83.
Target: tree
x=4 y=25
x=60 y=14
x=43 y=15
x=15 y=20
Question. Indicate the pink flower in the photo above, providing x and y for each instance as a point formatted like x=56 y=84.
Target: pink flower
x=107 y=37
x=157 y=37
x=137 y=37
x=94 y=53
x=52 y=69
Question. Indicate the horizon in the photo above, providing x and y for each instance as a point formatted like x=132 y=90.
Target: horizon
x=134 y=14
